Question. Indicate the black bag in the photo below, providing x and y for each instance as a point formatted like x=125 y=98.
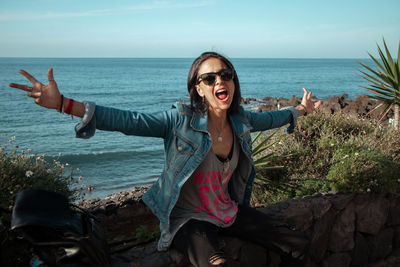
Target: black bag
x=62 y=234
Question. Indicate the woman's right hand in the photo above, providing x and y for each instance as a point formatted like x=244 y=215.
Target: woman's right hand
x=45 y=95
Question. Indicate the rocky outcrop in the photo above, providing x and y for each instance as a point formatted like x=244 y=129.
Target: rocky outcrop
x=345 y=230
x=361 y=106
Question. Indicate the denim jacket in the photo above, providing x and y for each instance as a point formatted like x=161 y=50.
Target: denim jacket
x=186 y=143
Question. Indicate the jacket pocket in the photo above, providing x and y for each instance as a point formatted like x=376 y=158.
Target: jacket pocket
x=181 y=150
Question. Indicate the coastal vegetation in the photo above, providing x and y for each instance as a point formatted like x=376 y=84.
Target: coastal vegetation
x=385 y=81
x=23 y=169
x=329 y=153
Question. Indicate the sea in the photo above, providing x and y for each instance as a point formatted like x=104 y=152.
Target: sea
x=111 y=162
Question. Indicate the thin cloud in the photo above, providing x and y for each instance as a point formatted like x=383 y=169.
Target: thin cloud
x=29 y=16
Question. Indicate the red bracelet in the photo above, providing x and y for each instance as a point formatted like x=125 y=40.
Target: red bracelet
x=68 y=110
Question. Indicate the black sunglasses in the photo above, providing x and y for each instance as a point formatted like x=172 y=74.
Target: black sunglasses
x=210 y=77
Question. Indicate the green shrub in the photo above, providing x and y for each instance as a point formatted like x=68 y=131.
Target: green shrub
x=311 y=154
x=21 y=170
x=358 y=169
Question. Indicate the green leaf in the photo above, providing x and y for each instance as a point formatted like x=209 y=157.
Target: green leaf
x=376 y=80
x=383 y=69
x=391 y=63
x=380 y=75
x=260 y=147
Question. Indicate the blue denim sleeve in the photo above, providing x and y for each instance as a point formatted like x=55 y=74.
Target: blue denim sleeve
x=124 y=121
x=274 y=119
x=87 y=127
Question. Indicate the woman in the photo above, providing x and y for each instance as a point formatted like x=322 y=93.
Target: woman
x=205 y=187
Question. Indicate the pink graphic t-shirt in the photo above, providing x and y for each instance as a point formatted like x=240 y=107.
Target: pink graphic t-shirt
x=205 y=194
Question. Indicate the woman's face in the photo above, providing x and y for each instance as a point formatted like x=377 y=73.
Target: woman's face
x=219 y=95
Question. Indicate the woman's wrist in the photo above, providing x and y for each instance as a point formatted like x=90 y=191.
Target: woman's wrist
x=60 y=106
x=72 y=107
x=301 y=109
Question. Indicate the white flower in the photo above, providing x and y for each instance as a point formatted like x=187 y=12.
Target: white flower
x=28 y=173
x=59 y=154
x=368 y=190
x=12 y=138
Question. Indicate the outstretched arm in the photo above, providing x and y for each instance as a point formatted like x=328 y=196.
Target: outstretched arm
x=48 y=95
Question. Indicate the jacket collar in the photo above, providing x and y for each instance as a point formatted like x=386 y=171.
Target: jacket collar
x=199 y=122
x=240 y=124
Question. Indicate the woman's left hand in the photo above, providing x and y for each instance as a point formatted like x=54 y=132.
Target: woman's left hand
x=307 y=105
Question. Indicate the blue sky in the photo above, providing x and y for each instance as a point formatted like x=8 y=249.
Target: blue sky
x=137 y=28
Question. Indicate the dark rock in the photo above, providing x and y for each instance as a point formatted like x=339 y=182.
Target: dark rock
x=380 y=245
x=298 y=214
x=396 y=237
x=394 y=211
x=361 y=106
x=337 y=259
x=361 y=251
x=319 y=206
x=393 y=260
x=320 y=238
x=161 y=260
x=339 y=202
x=342 y=235
x=372 y=213
x=357 y=229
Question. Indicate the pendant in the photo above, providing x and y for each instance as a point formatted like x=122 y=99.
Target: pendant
x=219 y=139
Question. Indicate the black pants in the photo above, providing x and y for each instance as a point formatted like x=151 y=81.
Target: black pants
x=198 y=240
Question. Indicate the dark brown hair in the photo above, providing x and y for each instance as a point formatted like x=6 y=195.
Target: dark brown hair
x=196 y=100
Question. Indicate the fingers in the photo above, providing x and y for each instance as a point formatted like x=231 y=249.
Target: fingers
x=317 y=104
x=306 y=95
x=50 y=75
x=305 y=92
x=308 y=103
x=34 y=95
x=21 y=87
x=28 y=76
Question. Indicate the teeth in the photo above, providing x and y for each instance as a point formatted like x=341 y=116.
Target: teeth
x=220 y=91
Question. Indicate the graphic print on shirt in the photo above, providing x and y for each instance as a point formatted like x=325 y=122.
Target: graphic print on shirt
x=211 y=186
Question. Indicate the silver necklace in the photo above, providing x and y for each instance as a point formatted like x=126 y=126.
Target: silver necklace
x=219 y=137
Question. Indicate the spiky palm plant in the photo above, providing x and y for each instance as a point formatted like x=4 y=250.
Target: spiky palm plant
x=261 y=153
x=385 y=82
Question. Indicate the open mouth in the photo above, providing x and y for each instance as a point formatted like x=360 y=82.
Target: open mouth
x=222 y=94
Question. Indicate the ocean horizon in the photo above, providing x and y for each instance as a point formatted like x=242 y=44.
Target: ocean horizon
x=112 y=162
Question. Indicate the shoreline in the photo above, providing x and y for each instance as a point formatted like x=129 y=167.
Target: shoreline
x=362 y=105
